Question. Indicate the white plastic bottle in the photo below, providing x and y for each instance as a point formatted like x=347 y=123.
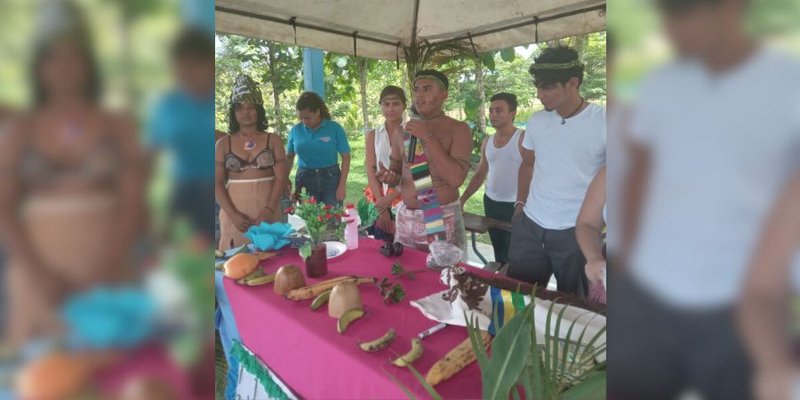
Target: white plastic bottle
x=351 y=230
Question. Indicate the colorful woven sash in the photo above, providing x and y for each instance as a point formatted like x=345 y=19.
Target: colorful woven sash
x=426 y=195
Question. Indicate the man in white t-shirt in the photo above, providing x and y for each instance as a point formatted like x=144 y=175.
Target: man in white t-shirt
x=501 y=157
x=567 y=144
x=716 y=133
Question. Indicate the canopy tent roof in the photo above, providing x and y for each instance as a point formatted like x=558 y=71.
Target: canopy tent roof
x=381 y=28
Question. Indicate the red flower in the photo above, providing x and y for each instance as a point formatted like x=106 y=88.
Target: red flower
x=312 y=200
x=328 y=216
x=328 y=207
x=319 y=218
x=289 y=210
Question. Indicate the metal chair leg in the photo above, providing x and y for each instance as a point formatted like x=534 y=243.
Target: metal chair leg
x=475 y=249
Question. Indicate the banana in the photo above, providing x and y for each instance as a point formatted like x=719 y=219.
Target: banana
x=412 y=356
x=320 y=300
x=219 y=253
x=256 y=278
x=261 y=280
x=347 y=318
x=219 y=265
x=240 y=249
x=379 y=343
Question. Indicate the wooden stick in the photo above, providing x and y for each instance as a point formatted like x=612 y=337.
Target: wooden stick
x=309 y=292
x=506 y=283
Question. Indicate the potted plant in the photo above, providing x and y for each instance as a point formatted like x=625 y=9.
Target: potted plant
x=522 y=367
x=322 y=221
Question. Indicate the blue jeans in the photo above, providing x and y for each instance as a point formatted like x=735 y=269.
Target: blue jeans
x=320 y=183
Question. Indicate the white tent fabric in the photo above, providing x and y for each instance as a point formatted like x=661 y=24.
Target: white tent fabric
x=380 y=28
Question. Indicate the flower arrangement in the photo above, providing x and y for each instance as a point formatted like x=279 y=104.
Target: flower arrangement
x=322 y=221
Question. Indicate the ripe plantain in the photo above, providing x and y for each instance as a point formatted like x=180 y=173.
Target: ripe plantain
x=320 y=300
x=379 y=343
x=347 y=318
x=455 y=360
x=412 y=356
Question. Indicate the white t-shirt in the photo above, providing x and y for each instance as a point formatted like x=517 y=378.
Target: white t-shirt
x=721 y=148
x=567 y=159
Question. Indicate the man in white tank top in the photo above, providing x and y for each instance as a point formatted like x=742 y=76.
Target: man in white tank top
x=567 y=143
x=501 y=154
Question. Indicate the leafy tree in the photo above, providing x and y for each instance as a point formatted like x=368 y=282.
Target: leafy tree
x=277 y=66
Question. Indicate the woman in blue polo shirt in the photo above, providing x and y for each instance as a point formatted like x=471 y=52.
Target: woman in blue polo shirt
x=318 y=142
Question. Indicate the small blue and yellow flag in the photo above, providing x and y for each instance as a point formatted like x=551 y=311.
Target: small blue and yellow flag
x=506 y=304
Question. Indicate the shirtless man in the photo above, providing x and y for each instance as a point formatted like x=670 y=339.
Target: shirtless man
x=447 y=144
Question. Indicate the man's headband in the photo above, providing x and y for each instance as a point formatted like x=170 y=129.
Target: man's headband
x=554 y=66
x=439 y=82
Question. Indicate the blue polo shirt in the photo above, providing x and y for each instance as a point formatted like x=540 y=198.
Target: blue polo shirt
x=320 y=147
x=184 y=126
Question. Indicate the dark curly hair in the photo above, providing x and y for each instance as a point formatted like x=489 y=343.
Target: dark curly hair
x=556 y=55
x=510 y=99
x=312 y=102
x=233 y=124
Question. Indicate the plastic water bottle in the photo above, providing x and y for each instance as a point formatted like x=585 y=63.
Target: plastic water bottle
x=351 y=230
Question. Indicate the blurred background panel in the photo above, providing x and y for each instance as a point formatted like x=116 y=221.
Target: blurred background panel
x=137 y=324
x=703 y=165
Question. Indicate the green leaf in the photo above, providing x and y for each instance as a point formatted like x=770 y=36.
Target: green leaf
x=508 y=54
x=559 y=364
x=305 y=250
x=592 y=341
x=547 y=342
x=526 y=379
x=488 y=61
x=403 y=387
x=477 y=342
x=508 y=355
x=593 y=387
x=397 y=269
x=398 y=294
x=428 y=388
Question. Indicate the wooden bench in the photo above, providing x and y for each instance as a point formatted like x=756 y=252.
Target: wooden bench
x=475 y=224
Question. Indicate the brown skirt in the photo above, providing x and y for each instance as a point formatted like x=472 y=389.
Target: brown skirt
x=68 y=234
x=249 y=197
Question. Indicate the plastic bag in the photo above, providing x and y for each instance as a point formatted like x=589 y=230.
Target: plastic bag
x=443 y=255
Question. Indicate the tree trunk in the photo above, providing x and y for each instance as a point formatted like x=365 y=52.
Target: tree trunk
x=481 y=96
x=408 y=89
x=276 y=96
x=362 y=72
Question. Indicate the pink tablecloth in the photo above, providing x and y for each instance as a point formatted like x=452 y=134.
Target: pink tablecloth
x=303 y=348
